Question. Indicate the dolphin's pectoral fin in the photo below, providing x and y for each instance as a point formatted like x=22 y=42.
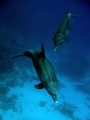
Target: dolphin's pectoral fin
x=56 y=47
x=67 y=40
x=39 y=86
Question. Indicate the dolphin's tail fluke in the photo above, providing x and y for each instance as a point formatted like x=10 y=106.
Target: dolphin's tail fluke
x=74 y=15
x=17 y=56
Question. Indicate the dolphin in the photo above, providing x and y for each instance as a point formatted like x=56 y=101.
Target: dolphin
x=63 y=30
x=45 y=72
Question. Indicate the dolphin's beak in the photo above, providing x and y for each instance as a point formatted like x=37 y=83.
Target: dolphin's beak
x=18 y=56
x=55 y=98
x=56 y=101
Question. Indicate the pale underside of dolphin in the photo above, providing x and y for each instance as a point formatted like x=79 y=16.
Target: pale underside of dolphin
x=45 y=72
x=63 y=30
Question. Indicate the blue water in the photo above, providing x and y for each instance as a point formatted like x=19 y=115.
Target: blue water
x=24 y=24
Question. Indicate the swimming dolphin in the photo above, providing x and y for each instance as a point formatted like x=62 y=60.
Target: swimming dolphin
x=63 y=30
x=45 y=72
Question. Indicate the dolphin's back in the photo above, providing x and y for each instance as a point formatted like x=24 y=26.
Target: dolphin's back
x=64 y=23
x=47 y=75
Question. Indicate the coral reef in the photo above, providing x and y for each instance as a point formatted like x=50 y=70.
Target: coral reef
x=10 y=103
x=66 y=109
x=42 y=103
x=0 y=117
x=12 y=83
x=84 y=88
x=4 y=89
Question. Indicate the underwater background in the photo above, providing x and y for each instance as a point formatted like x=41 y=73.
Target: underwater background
x=24 y=24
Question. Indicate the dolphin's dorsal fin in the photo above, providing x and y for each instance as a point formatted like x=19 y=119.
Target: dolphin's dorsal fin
x=42 y=52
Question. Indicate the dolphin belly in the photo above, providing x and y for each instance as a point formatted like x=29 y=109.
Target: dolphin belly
x=47 y=77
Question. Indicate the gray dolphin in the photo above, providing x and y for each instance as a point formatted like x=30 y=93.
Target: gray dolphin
x=45 y=72
x=63 y=30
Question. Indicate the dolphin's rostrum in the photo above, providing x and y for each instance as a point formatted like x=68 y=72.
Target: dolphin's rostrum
x=45 y=72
